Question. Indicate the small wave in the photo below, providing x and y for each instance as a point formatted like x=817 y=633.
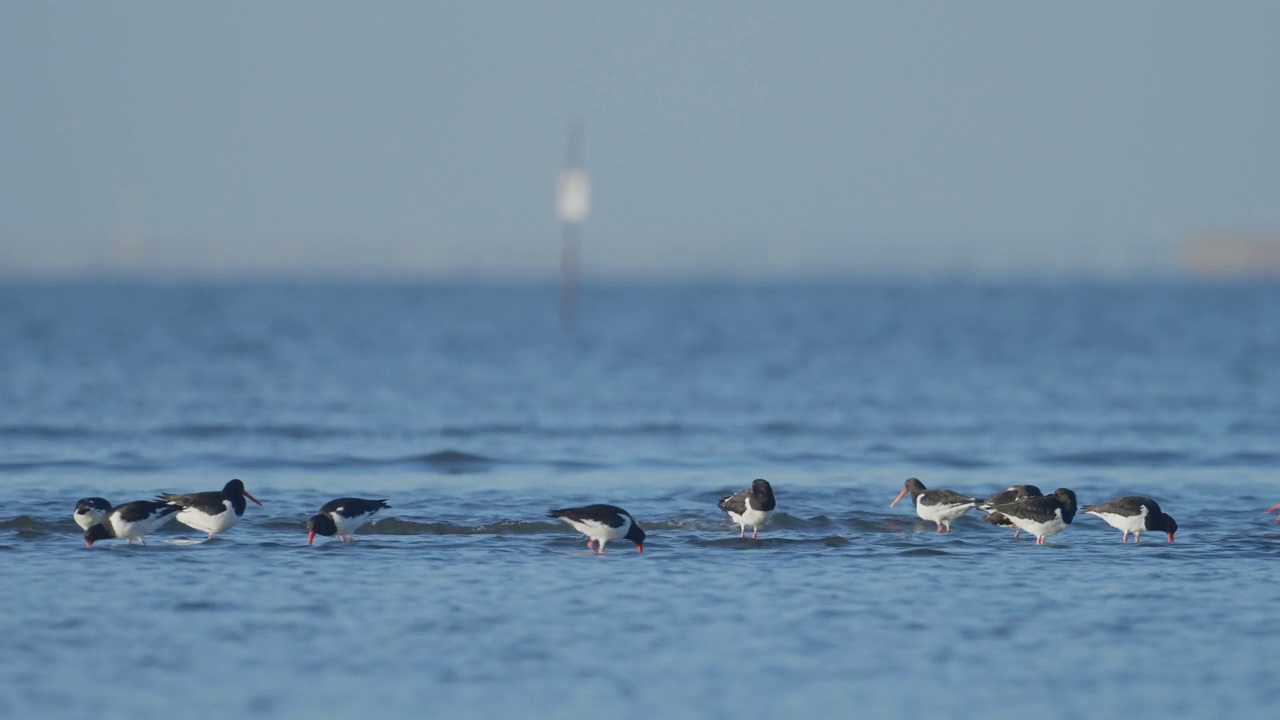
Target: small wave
x=805 y=458
x=48 y=432
x=29 y=524
x=769 y=542
x=128 y=462
x=454 y=459
x=449 y=461
x=469 y=431
x=234 y=430
x=1246 y=427
x=927 y=552
x=396 y=526
x=399 y=526
x=1113 y=458
x=1246 y=458
x=949 y=461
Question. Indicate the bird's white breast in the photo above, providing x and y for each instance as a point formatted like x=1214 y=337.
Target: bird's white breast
x=348 y=525
x=750 y=516
x=599 y=530
x=1127 y=523
x=937 y=513
x=212 y=524
x=1053 y=526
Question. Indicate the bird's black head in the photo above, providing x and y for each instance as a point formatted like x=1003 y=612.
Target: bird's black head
x=320 y=525
x=636 y=535
x=762 y=488
x=913 y=486
x=89 y=504
x=1166 y=524
x=235 y=487
x=94 y=533
x=1068 y=500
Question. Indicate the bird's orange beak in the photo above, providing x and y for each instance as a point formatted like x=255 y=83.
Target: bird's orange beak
x=639 y=547
x=1273 y=508
x=1170 y=537
x=900 y=496
x=311 y=536
x=246 y=494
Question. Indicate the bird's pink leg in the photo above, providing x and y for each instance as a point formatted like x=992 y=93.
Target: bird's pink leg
x=742 y=531
x=939 y=527
x=129 y=540
x=1125 y=538
x=210 y=536
x=754 y=531
x=1016 y=531
x=142 y=540
x=1137 y=537
x=1039 y=541
x=590 y=546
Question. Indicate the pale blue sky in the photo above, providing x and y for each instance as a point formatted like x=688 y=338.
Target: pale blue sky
x=745 y=139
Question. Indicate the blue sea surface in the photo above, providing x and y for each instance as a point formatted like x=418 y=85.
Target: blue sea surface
x=473 y=411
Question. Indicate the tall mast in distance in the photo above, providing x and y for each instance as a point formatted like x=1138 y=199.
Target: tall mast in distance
x=573 y=203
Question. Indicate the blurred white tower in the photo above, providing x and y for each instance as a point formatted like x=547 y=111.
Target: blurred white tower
x=573 y=203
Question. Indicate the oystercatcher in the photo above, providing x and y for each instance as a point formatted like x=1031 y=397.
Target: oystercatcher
x=1008 y=495
x=938 y=506
x=1041 y=516
x=1134 y=514
x=342 y=517
x=752 y=506
x=214 y=511
x=132 y=520
x=90 y=511
x=602 y=523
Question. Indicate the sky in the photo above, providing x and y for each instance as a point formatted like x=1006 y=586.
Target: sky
x=722 y=139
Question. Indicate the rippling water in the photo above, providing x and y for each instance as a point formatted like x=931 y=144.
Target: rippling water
x=474 y=413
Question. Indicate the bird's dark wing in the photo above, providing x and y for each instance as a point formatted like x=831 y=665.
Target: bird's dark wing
x=610 y=515
x=143 y=509
x=207 y=502
x=946 y=497
x=353 y=507
x=735 y=503
x=1127 y=506
x=1038 y=509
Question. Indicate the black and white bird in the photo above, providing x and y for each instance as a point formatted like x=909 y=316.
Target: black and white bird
x=90 y=511
x=342 y=517
x=1013 y=492
x=131 y=521
x=1043 y=515
x=938 y=506
x=1134 y=514
x=752 y=506
x=1273 y=509
x=602 y=523
x=214 y=511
